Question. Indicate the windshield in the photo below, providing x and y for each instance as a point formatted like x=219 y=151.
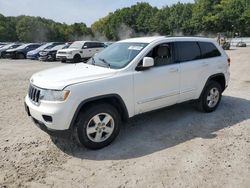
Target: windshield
x=43 y=47
x=118 y=55
x=7 y=46
x=22 y=46
x=77 y=44
x=58 y=47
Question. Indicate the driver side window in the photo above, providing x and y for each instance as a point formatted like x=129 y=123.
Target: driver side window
x=162 y=54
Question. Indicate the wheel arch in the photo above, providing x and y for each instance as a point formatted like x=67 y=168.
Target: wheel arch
x=219 y=77
x=20 y=52
x=113 y=99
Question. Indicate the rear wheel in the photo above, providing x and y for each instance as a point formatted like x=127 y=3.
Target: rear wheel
x=97 y=126
x=210 y=97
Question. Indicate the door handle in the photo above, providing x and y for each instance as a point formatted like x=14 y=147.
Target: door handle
x=174 y=70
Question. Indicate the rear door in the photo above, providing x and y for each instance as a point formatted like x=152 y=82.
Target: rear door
x=87 y=49
x=98 y=47
x=192 y=69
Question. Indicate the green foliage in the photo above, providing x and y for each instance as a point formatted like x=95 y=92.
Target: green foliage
x=37 y=29
x=202 y=16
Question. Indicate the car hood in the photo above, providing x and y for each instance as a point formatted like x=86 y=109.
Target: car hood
x=33 y=52
x=60 y=77
x=11 y=50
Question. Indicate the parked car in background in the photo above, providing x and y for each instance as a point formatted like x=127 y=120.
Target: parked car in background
x=7 y=47
x=21 y=51
x=34 y=54
x=50 y=54
x=241 y=44
x=79 y=50
x=3 y=44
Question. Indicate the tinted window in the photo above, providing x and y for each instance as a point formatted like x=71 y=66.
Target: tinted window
x=208 y=50
x=94 y=45
x=188 y=51
x=99 y=45
x=88 y=45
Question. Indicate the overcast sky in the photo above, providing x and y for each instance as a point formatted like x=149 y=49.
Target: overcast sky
x=70 y=11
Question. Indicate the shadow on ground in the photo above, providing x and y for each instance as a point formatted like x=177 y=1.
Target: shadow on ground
x=163 y=129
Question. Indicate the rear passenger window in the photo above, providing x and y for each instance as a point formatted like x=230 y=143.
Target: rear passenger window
x=208 y=50
x=188 y=51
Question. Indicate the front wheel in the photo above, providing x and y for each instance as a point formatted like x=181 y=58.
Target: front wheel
x=97 y=126
x=77 y=58
x=20 y=56
x=210 y=97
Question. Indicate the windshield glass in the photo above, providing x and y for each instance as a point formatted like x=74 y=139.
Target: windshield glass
x=43 y=47
x=77 y=44
x=7 y=46
x=118 y=55
x=58 y=47
x=22 y=46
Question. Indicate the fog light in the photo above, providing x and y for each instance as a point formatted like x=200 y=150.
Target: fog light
x=47 y=118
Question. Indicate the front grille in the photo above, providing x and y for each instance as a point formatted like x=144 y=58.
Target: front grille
x=34 y=94
x=61 y=52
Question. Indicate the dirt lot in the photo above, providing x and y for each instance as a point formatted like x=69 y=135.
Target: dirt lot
x=174 y=147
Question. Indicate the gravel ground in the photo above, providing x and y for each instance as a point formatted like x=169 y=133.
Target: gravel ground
x=173 y=147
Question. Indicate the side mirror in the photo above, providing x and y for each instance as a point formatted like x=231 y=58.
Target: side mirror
x=84 y=47
x=147 y=62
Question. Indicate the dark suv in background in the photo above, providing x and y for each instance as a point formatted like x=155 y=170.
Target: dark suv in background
x=21 y=51
x=50 y=54
x=7 y=47
x=34 y=54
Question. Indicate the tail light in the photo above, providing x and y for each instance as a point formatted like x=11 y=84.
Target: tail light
x=229 y=62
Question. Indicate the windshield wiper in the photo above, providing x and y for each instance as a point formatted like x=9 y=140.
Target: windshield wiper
x=105 y=62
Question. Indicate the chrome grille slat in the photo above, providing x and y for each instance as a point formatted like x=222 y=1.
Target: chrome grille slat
x=34 y=94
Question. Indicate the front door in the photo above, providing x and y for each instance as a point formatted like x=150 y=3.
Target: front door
x=159 y=85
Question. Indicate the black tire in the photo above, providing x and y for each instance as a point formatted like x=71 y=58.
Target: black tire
x=85 y=119
x=77 y=58
x=203 y=102
x=63 y=61
x=20 y=56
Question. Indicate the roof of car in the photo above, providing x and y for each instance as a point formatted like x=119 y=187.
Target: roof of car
x=87 y=41
x=158 y=38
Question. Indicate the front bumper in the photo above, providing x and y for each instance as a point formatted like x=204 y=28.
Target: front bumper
x=60 y=133
x=47 y=58
x=64 y=56
x=32 y=57
x=60 y=114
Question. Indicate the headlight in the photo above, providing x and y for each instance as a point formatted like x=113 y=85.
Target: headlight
x=53 y=95
x=69 y=52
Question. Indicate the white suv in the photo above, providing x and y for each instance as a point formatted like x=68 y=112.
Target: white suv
x=128 y=78
x=79 y=50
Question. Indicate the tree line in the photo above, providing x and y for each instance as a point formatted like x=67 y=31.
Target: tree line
x=203 y=17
